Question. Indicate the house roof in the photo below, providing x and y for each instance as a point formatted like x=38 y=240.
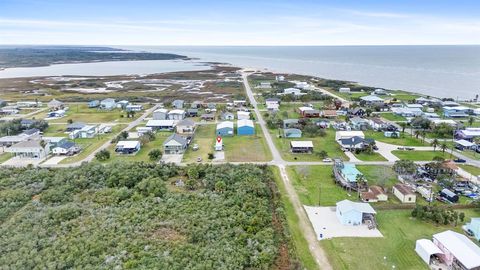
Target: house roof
x=66 y=144
x=128 y=144
x=357 y=109
x=371 y=98
x=350 y=133
x=27 y=144
x=161 y=110
x=292 y=130
x=208 y=115
x=244 y=122
x=404 y=189
x=464 y=143
x=108 y=100
x=177 y=138
x=301 y=144
x=329 y=112
x=186 y=122
x=225 y=124
x=55 y=102
x=347 y=206
x=160 y=123
x=377 y=190
x=76 y=125
x=178 y=111
x=352 y=140
x=290 y=121
x=464 y=250
x=243 y=113
x=428 y=246
x=31 y=131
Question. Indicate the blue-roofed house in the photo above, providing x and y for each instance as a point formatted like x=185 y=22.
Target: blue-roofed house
x=474 y=227
x=350 y=172
x=245 y=127
x=456 y=112
x=354 y=213
x=292 y=133
x=108 y=104
x=94 y=103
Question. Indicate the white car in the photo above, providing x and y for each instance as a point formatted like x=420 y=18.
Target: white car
x=327 y=160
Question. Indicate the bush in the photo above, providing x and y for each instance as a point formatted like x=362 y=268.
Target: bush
x=102 y=155
x=155 y=154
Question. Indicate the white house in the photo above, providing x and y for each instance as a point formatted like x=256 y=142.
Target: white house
x=30 y=149
x=459 y=252
x=243 y=115
x=161 y=124
x=339 y=135
x=176 y=114
x=404 y=193
x=344 y=90
x=292 y=91
x=160 y=114
x=372 y=100
x=134 y=107
x=127 y=147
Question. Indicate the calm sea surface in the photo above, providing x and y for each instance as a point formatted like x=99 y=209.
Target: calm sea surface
x=444 y=71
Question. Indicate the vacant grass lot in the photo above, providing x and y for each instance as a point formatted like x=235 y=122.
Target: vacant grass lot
x=419 y=155
x=392 y=117
x=404 y=139
x=252 y=148
x=300 y=245
x=316 y=183
x=378 y=175
x=471 y=169
x=370 y=157
x=326 y=143
x=90 y=145
x=5 y=156
x=205 y=138
x=396 y=248
x=55 y=130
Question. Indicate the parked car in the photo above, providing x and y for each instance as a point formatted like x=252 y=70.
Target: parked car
x=409 y=148
x=460 y=160
x=199 y=159
x=327 y=160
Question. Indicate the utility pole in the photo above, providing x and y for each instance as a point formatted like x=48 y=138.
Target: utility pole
x=319 y=194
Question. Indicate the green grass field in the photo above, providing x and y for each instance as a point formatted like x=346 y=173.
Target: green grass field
x=396 y=248
x=326 y=143
x=5 y=156
x=300 y=245
x=471 y=169
x=252 y=148
x=404 y=139
x=314 y=183
x=370 y=157
x=205 y=138
x=419 y=155
x=392 y=117
x=378 y=175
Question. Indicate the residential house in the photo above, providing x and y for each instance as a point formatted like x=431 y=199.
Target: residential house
x=66 y=148
x=239 y=103
x=141 y=131
x=353 y=143
x=27 y=123
x=407 y=112
x=241 y=115
x=309 y=112
x=122 y=104
x=227 y=116
x=175 y=144
x=353 y=213
x=265 y=85
x=448 y=103
x=75 y=126
x=196 y=104
x=372 y=100
x=272 y=100
x=292 y=133
x=53 y=141
x=404 y=193
x=55 y=105
x=29 y=149
x=344 y=90
x=185 y=126
x=456 y=112
x=162 y=125
x=160 y=114
x=133 y=107
x=378 y=124
x=29 y=104
x=474 y=227
x=457 y=251
x=358 y=111
x=463 y=144
x=348 y=134
x=245 y=127
x=273 y=107
x=108 y=104
x=192 y=112
x=94 y=103
x=127 y=147
x=9 y=110
x=86 y=132
x=176 y=114
x=56 y=114
x=379 y=92
x=178 y=104
x=450 y=122
x=301 y=146
x=29 y=134
x=374 y=194
x=329 y=113
x=225 y=128
x=468 y=134
x=211 y=106
x=280 y=78
x=208 y=117
x=357 y=123
x=292 y=91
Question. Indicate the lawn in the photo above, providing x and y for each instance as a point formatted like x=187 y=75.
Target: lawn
x=363 y=156
x=252 y=148
x=470 y=169
x=326 y=143
x=205 y=138
x=5 y=156
x=314 y=183
x=300 y=245
x=378 y=175
x=404 y=139
x=419 y=155
x=55 y=130
x=396 y=248
x=290 y=110
x=141 y=155
x=392 y=117
x=90 y=145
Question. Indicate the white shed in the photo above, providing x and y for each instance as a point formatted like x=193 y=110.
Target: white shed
x=425 y=249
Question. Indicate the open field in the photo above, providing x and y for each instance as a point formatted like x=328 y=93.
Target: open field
x=290 y=110
x=471 y=169
x=378 y=175
x=247 y=148
x=396 y=248
x=392 y=117
x=90 y=145
x=5 y=156
x=316 y=183
x=419 y=155
x=326 y=143
x=370 y=157
x=55 y=130
x=300 y=245
x=404 y=139
x=205 y=138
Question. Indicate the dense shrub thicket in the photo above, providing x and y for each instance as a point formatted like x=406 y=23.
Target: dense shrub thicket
x=138 y=215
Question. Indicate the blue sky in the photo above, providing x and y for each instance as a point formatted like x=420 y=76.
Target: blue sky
x=248 y=22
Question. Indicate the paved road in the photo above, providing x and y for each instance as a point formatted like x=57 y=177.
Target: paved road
x=304 y=222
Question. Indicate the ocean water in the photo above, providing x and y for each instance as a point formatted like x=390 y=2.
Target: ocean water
x=443 y=71
x=105 y=68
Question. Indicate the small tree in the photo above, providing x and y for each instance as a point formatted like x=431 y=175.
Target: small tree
x=461 y=216
x=69 y=121
x=102 y=155
x=211 y=156
x=155 y=154
x=322 y=154
x=435 y=143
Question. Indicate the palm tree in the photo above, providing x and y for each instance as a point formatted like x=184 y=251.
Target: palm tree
x=423 y=136
x=403 y=125
x=435 y=143
x=443 y=147
x=471 y=120
x=417 y=133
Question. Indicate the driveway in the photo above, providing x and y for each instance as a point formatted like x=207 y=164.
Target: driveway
x=325 y=223
x=54 y=160
x=22 y=162
x=176 y=159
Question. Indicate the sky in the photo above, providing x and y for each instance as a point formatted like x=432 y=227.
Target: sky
x=235 y=22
